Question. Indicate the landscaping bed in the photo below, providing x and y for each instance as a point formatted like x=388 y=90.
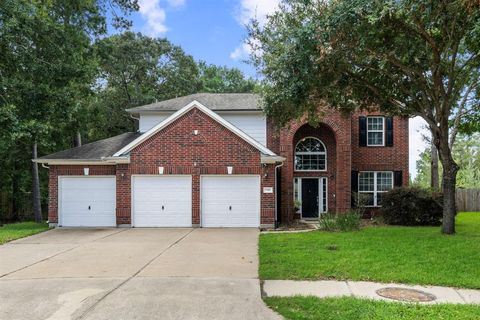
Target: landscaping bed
x=414 y=255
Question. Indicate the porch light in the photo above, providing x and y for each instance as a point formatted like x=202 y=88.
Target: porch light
x=160 y=170
x=86 y=171
x=229 y=170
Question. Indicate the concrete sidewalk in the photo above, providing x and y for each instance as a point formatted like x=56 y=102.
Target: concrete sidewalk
x=363 y=289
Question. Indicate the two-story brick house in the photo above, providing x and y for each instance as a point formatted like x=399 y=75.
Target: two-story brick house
x=215 y=160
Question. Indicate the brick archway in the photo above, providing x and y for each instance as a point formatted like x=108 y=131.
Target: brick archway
x=340 y=127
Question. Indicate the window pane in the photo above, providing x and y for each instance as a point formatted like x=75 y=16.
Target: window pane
x=375 y=123
x=310 y=162
x=375 y=138
x=295 y=189
x=310 y=145
x=379 y=198
x=384 y=181
x=366 y=181
x=367 y=198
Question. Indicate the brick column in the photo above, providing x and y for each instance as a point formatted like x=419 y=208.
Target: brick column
x=123 y=209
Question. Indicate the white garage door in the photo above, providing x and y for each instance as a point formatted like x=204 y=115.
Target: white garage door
x=162 y=201
x=230 y=201
x=87 y=201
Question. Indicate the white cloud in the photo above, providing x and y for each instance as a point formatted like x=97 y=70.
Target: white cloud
x=240 y=52
x=155 y=16
x=252 y=9
x=417 y=129
x=256 y=9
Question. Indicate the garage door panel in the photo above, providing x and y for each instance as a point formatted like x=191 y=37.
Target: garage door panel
x=87 y=201
x=151 y=193
x=230 y=201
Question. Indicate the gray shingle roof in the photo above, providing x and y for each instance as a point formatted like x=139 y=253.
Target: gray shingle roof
x=213 y=101
x=95 y=150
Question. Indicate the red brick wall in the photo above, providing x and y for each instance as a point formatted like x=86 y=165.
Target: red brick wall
x=56 y=171
x=341 y=135
x=393 y=158
x=327 y=136
x=179 y=151
x=334 y=127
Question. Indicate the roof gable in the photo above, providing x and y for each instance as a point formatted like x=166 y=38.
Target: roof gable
x=184 y=110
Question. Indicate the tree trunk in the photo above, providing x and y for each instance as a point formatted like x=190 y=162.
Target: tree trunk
x=15 y=192
x=434 y=179
x=37 y=208
x=450 y=169
x=77 y=141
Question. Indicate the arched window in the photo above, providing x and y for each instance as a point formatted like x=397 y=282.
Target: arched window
x=310 y=155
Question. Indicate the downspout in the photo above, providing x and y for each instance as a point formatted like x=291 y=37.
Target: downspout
x=138 y=119
x=276 y=184
x=46 y=167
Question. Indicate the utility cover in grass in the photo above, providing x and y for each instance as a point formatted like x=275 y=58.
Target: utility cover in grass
x=408 y=295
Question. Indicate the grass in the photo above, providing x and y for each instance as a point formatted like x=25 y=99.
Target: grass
x=304 y=308
x=19 y=230
x=418 y=255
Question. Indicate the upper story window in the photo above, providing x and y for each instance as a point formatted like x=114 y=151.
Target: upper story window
x=310 y=155
x=375 y=131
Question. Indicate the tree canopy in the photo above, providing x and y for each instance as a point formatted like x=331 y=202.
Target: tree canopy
x=406 y=57
x=63 y=77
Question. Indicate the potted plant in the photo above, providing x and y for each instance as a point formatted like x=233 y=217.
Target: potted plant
x=297 y=204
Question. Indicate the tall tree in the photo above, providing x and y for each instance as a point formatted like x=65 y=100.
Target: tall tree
x=434 y=176
x=405 y=57
x=221 y=79
x=466 y=153
x=45 y=63
x=133 y=70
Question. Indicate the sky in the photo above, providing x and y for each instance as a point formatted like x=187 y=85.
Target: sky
x=214 y=31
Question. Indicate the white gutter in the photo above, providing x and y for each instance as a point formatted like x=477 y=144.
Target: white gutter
x=271 y=159
x=103 y=161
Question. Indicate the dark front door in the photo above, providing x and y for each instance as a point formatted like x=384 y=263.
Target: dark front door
x=309 y=198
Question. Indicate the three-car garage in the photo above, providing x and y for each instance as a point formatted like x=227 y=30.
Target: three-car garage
x=161 y=201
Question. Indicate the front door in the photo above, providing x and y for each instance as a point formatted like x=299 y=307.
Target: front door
x=310 y=198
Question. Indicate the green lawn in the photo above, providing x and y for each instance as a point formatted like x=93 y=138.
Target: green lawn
x=304 y=308
x=418 y=255
x=14 y=231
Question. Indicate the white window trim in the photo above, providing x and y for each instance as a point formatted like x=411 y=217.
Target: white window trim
x=375 y=191
x=307 y=153
x=382 y=131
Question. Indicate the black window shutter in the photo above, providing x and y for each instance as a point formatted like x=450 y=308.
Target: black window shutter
x=354 y=187
x=389 y=131
x=397 y=179
x=362 y=125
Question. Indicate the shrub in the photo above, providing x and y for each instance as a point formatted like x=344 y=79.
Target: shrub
x=412 y=207
x=348 y=221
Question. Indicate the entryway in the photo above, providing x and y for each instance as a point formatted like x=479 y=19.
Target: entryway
x=311 y=196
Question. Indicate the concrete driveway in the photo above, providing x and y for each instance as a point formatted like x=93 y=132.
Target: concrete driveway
x=132 y=274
